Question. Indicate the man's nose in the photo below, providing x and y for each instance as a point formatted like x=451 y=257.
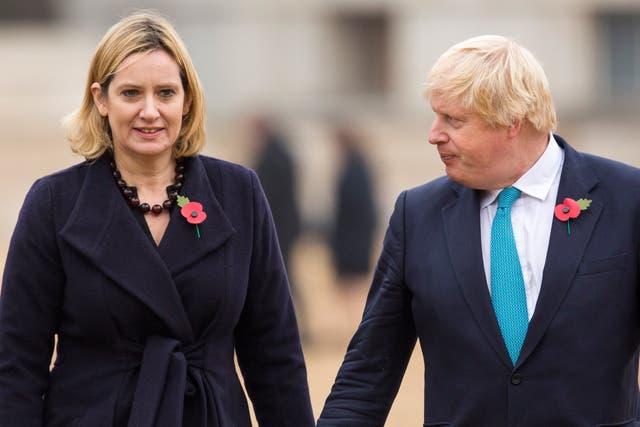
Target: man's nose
x=437 y=134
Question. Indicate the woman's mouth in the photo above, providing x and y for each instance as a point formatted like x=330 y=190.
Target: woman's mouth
x=148 y=132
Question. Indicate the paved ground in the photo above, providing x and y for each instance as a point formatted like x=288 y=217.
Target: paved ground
x=331 y=328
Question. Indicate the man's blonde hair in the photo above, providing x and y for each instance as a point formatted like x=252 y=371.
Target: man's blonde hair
x=88 y=132
x=496 y=78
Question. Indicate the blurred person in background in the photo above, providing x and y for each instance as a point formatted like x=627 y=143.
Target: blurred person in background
x=276 y=168
x=354 y=223
x=151 y=263
x=518 y=271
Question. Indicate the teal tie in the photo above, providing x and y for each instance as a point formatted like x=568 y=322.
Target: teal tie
x=507 y=285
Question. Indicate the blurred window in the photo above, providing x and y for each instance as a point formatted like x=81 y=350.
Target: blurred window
x=26 y=10
x=620 y=36
x=360 y=42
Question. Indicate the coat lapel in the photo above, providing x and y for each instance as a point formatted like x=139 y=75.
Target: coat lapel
x=102 y=228
x=565 y=251
x=462 y=229
x=181 y=246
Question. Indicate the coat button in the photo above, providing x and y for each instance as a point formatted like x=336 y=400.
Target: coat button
x=189 y=389
x=516 y=378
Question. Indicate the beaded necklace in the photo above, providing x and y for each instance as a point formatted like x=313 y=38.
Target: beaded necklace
x=130 y=195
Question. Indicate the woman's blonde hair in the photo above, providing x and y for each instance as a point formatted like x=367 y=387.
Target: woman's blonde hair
x=89 y=132
x=496 y=78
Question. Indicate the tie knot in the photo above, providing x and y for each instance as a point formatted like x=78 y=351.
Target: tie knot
x=507 y=197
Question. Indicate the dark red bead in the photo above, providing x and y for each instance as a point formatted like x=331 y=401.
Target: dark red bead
x=134 y=201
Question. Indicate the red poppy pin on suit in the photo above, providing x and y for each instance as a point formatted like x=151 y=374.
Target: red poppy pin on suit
x=192 y=211
x=570 y=208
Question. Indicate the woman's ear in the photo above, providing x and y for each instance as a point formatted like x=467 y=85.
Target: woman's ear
x=186 y=107
x=99 y=99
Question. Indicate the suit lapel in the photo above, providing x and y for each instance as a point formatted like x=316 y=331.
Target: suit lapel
x=565 y=251
x=181 y=246
x=462 y=230
x=102 y=227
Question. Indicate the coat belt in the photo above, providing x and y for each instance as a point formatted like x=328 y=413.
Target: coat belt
x=163 y=377
x=159 y=396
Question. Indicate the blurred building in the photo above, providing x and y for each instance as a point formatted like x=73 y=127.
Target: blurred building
x=373 y=54
x=306 y=60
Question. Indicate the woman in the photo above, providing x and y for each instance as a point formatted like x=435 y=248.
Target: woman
x=151 y=263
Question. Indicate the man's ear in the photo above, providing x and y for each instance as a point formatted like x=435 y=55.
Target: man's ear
x=99 y=99
x=514 y=128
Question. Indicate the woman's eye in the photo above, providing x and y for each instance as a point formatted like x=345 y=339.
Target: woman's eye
x=166 y=93
x=129 y=93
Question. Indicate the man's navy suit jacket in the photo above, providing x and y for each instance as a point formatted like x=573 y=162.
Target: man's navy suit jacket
x=579 y=362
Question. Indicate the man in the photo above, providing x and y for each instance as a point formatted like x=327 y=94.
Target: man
x=526 y=302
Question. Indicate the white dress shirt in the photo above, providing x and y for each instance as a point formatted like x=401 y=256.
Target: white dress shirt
x=531 y=216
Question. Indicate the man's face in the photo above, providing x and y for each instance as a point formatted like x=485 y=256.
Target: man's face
x=474 y=153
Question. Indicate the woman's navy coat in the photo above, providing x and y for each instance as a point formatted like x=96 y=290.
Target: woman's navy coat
x=131 y=350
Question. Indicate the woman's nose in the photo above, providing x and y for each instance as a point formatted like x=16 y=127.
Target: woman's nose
x=149 y=110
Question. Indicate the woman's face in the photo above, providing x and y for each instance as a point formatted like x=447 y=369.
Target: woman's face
x=145 y=104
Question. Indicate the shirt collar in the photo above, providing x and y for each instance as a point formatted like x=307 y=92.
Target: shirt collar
x=537 y=181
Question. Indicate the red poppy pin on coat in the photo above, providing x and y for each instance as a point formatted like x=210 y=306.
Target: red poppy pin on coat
x=192 y=212
x=570 y=208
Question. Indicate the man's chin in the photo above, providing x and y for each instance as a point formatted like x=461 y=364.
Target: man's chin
x=464 y=180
